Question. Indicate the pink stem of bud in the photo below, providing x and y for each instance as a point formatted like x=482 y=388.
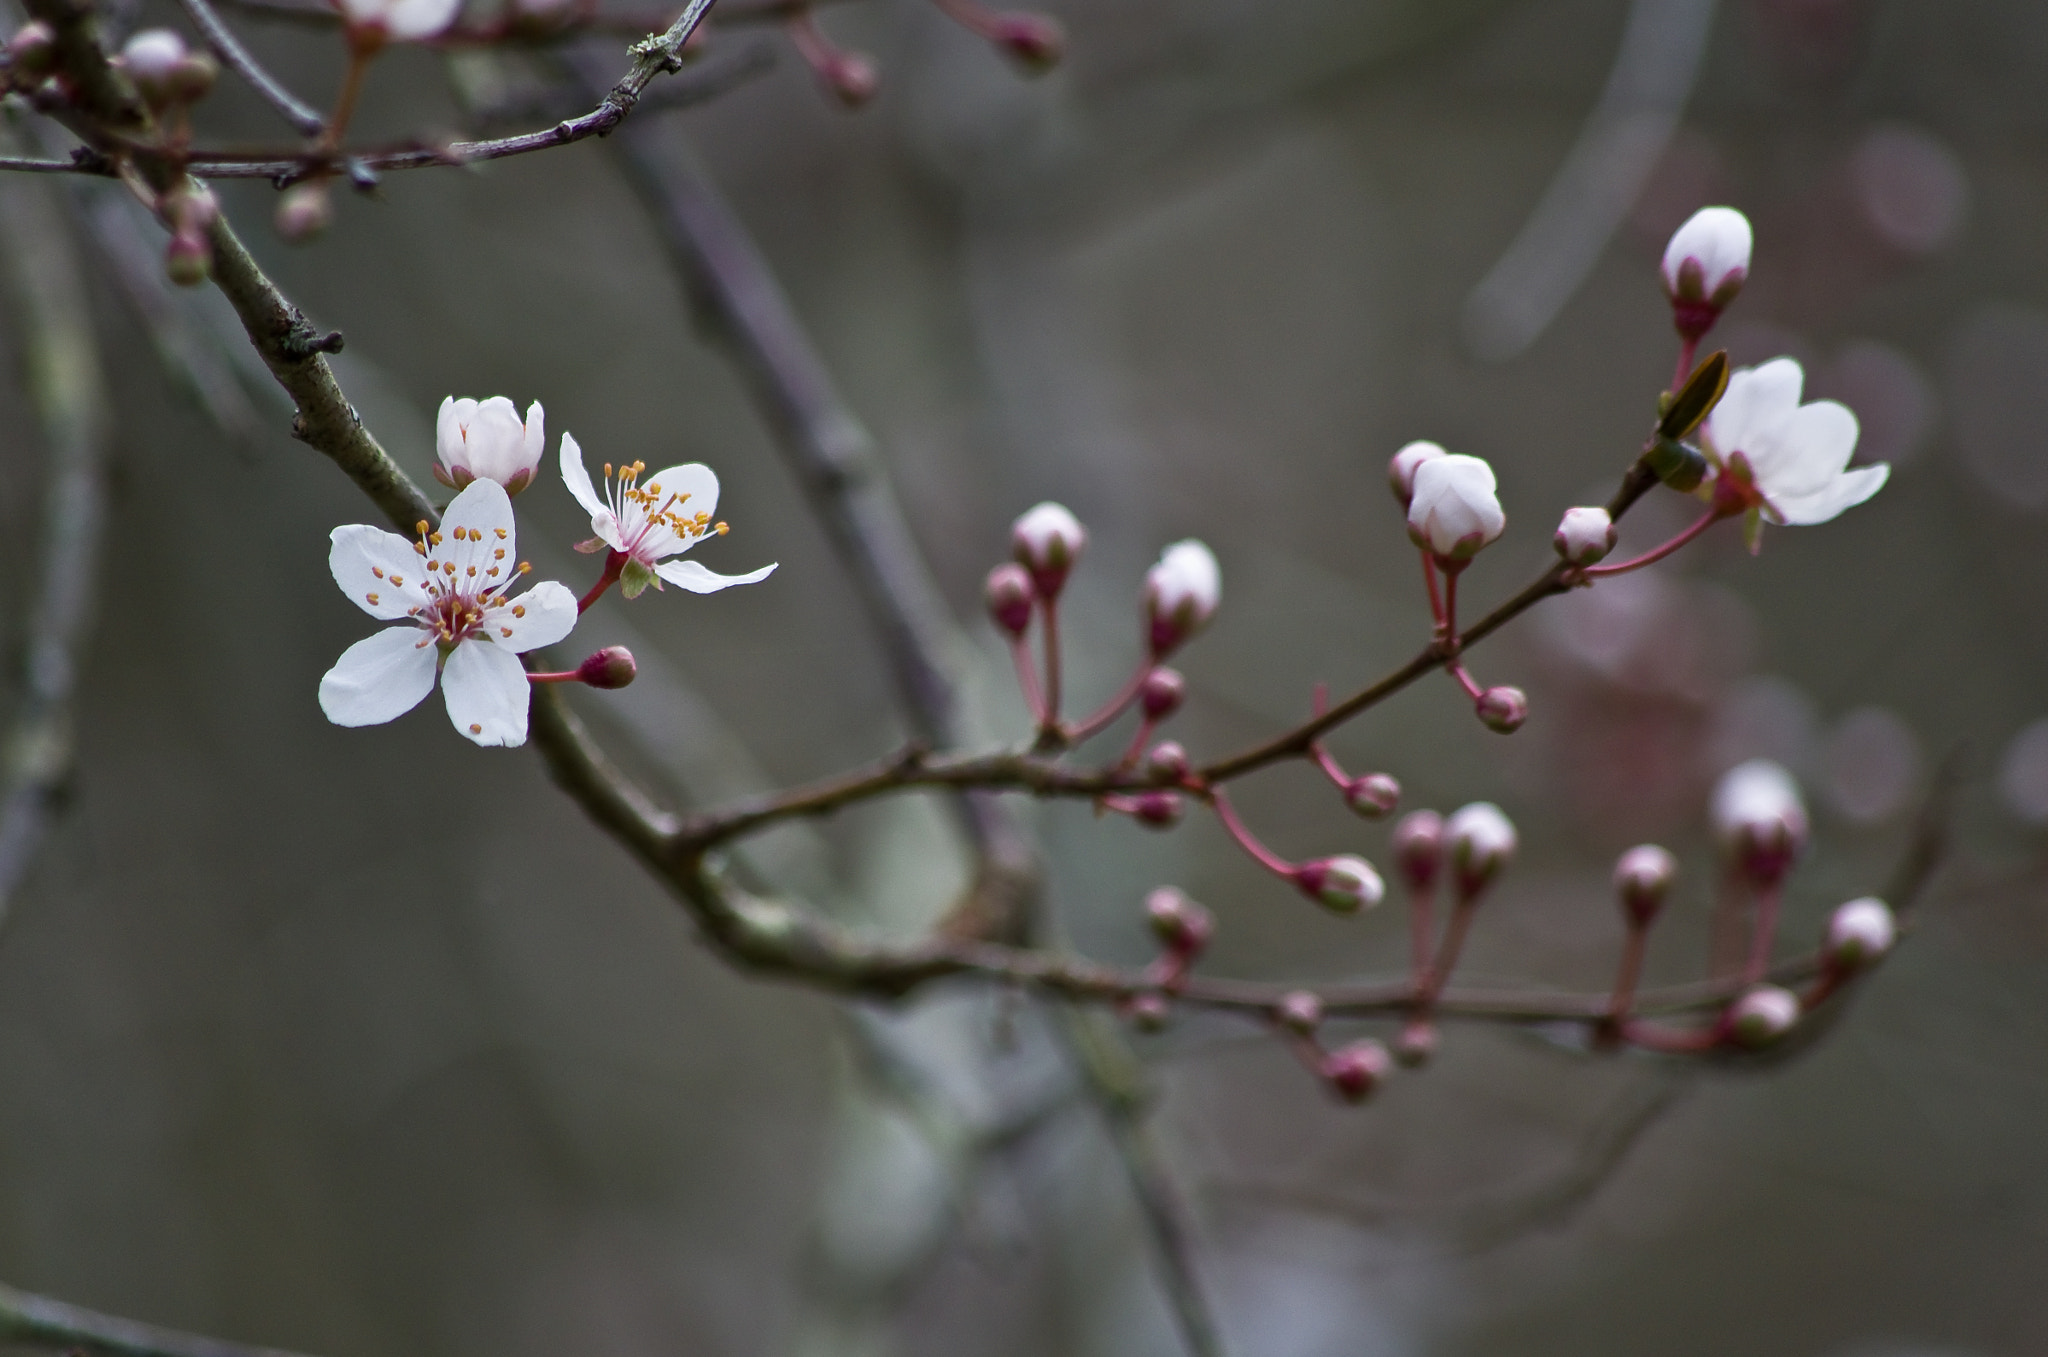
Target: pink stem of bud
x=1763 y=932
x=1263 y=855
x=614 y=566
x=1436 y=602
x=1626 y=977
x=1136 y=749
x=1669 y=1040
x=1465 y=681
x=1049 y=718
x=1421 y=933
x=1688 y=346
x=1431 y=985
x=1651 y=557
x=1319 y=702
x=1114 y=708
x=1027 y=678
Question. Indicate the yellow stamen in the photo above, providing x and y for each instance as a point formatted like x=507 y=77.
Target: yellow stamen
x=372 y=598
x=519 y=610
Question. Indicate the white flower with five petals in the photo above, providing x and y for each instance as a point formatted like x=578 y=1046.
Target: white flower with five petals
x=398 y=20
x=646 y=523
x=487 y=441
x=1776 y=459
x=450 y=589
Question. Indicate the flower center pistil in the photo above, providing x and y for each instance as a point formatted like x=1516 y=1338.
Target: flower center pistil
x=644 y=511
x=460 y=597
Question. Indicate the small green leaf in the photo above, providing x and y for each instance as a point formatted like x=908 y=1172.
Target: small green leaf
x=1701 y=392
x=1679 y=465
x=636 y=577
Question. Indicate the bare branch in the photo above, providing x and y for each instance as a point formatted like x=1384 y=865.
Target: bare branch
x=236 y=58
x=38 y=1321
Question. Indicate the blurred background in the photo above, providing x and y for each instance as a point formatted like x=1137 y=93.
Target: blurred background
x=362 y=1042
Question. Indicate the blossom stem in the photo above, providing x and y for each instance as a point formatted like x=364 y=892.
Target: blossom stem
x=1670 y=1041
x=1764 y=931
x=1265 y=856
x=1027 y=678
x=1049 y=719
x=362 y=46
x=1324 y=759
x=972 y=17
x=1651 y=557
x=1724 y=945
x=1626 y=977
x=1688 y=345
x=614 y=566
x=1421 y=933
x=1114 y=708
x=1436 y=602
x=565 y=676
x=1466 y=681
x=1137 y=744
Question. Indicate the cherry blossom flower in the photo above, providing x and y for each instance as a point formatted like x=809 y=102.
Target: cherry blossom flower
x=1181 y=594
x=1859 y=933
x=1776 y=459
x=644 y=525
x=1401 y=467
x=1454 y=512
x=1584 y=535
x=1705 y=265
x=485 y=441
x=450 y=590
x=1047 y=540
x=1480 y=842
x=397 y=20
x=1759 y=818
x=1763 y=1015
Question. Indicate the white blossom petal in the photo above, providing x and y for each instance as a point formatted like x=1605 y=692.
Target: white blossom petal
x=495 y=440
x=407 y=20
x=541 y=616
x=380 y=678
x=1807 y=450
x=689 y=490
x=577 y=478
x=1756 y=400
x=378 y=570
x=694 y=577
x=535 y=443
x=475 y=530
x=449 y=422
x=486 y=689
x=1845 y=491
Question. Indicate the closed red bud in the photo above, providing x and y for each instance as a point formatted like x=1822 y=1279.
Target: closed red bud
x=1373 y=796
x=1168 y=761
x=1299 y=1012
x=1159 y=810
x=1354 y=1071
x=1162 y=693
x=611 y=667
x=1036 y=41
x=1009 y=596
x=1419 y=848
x=1642 y=878
x=1503 y=709
x=1179 y=922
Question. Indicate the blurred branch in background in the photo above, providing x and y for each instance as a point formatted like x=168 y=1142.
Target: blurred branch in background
x=38 y=1321
x=1621 y=143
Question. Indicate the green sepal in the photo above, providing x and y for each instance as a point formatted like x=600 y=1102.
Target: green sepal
x=1696 y=399
x=1679 y=465
x=636 y=577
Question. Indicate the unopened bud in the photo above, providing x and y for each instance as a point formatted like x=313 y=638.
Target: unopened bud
x=851 y=76
x=1009 y=597
x=1762 y=1016
x=1148 y=1011
x=1585 y=535
x=1035 y=41
x=31 y=53
x=192 y=79
x=1705 y=266
x=1354 y=1071
x=1168 y=761
x=304 y=211
x=1373 y=796
x=1046 y=541
x=1502 y=709
x=149 y=57
x=1416 y=1045
x=1162 y=692
x=1342 y=884
x=1480 y=842
x=1859 y=934
x=1642 y=878
x=611 y=667
x=1401 y=468
x=1181 y=594
x=1419 y=848
x=1454 y=511
x=1159 y=810
x=1179 y=922
x=1300 y=1012
x=188 y=259
x=1760 y=820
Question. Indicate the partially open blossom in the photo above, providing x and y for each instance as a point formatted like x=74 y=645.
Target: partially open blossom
x=1859 y=934
x=450 y=593
x=1705 y=265
x=1503 y=709
x=1642 y=878
x=1046 y=541
x=1373 y=795
x=397 y=20
x=1454 y=511
x=1354 y=1071
x=1343 y=884
x=649 y=523
x=1762 y=1016
x=1419 y=848
x=1162 y=692
x=1009 y=598
x=1401 y=467
x=1759 y=819
x=1776 y=459
x=487 y=441
x=1584 y=535
x=1480 y=842
x=1181 y=594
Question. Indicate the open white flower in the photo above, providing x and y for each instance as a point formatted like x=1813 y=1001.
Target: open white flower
x=648 y=523
x=486 y=441
x=1776 y=459
x=398 y=20
x=449 y=590
x=1454 y=511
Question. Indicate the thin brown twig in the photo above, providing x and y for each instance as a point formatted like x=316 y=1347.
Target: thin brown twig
x=303 y=118
x=39 y=1321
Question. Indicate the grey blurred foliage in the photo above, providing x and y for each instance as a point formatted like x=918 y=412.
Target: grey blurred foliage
x=365 y=1042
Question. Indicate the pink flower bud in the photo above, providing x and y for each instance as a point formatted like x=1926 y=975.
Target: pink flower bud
x=1419 y=848
x=1162 y=693
x=1759 y=820
x=303 y=211
x=487 y=441
x=1181 y=594
x=1354 y=1071
x=1300 y=1012
x=851 y=76
x=1762 y=1016
x=1046 y=541
x=1010 y=598
x=1342 y=884
x=1859 y=934
x=31 y=53
x=1158 y=810
x=1035 y=41
x=1179 y=922
x=1148 y=1011
x=1401 y=468
x=1502 y=709
x=150 y=56
x=611 y=667
x=1705 y=265
x=1642 y=878
x=1480 y=842
x=1373 y=796
x=1454 y=511
x=1416 y=1045
x=1168 y=761
x=1585 y=535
